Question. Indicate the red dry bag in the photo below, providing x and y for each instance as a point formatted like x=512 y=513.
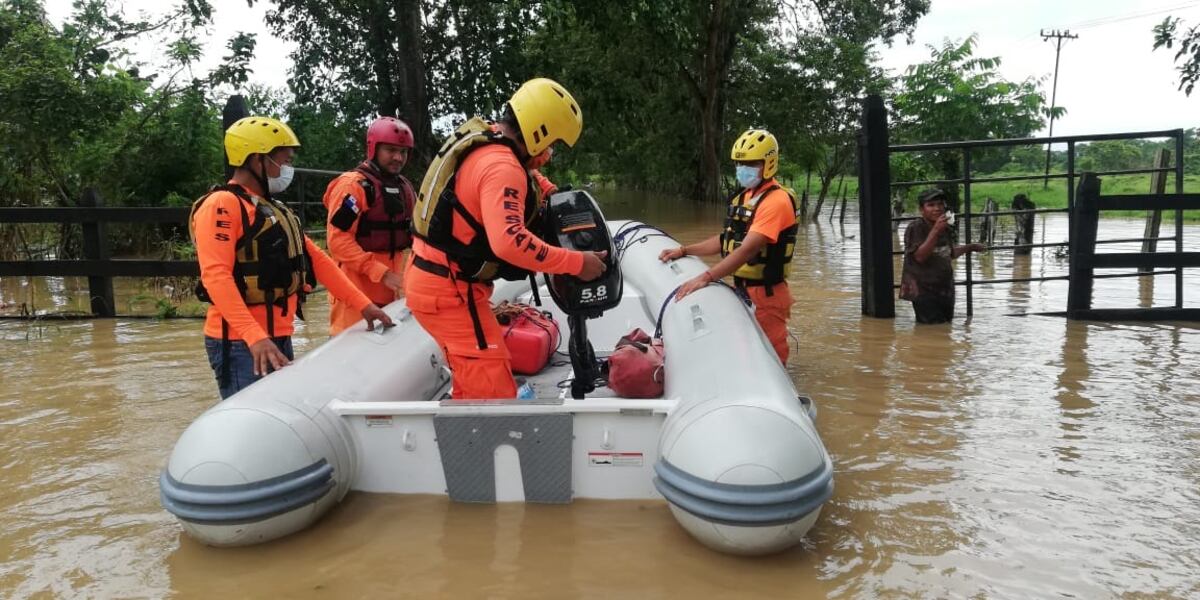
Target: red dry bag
x=635 y=368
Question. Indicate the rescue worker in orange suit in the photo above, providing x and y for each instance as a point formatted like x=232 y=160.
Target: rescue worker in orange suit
x=367 y=230
x=255 y=261
x=474 y=223
x=757 y=241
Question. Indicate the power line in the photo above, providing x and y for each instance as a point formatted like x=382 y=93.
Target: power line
x=1110 y=19
x=1100 y=21
x=1058 y=36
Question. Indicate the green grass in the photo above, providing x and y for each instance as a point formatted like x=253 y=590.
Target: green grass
x=1053 y=196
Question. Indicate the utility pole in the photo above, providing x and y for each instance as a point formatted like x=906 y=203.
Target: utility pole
x=1058 y=36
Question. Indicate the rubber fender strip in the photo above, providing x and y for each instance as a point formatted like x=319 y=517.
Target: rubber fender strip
x=245 y=513
x=223 y=495
x=797 y=490
x=763 y=515
x=810 y=408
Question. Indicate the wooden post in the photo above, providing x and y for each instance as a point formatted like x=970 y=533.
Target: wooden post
x=874 y=223
x=1085 y=219
x=897 y=211
x=1158 y=185
x=987 y=234
x=235 y=109
x=1025 y=224
x=95 y=247
x=1071 y=185
x=839 y=192
x=804 y=194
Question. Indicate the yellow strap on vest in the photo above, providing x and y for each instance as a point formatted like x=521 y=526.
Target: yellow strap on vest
x=474 y=132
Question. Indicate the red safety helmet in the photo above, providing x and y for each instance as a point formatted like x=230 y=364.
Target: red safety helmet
x=387 y=130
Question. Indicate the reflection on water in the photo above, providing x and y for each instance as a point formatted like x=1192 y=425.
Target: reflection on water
x=996 y=457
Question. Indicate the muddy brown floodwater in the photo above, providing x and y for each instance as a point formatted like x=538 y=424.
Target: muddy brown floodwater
x=1001 y=456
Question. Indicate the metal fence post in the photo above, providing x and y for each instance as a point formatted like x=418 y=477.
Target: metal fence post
x=95 y=247
x=1179 y=216
x=1084 y=222
x=874 y=195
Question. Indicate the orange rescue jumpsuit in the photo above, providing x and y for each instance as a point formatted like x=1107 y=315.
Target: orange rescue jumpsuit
x=364 y=269
x=774 y=215
x=218 y=226
x=491 y=185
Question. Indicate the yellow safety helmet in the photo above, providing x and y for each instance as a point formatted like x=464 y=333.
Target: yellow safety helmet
x=546 y=113
x=758 y=144
x=257 y=135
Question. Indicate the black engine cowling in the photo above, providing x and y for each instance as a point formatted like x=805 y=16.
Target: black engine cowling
x=573 y=220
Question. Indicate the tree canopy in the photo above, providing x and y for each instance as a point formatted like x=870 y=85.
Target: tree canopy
x=956 y=95
x=1167 y=35
x=665 y=86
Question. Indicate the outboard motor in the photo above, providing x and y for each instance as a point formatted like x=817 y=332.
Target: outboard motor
x=573 y=220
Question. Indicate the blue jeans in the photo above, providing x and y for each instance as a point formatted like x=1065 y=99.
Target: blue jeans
x=241 y=362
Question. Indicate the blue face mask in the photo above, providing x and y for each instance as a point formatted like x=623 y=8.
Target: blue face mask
x=748 y=176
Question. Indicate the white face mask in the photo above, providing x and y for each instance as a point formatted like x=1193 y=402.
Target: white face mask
x=747 y=176
x=276 y=185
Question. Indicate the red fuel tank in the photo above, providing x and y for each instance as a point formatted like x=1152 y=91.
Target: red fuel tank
x=530 y=335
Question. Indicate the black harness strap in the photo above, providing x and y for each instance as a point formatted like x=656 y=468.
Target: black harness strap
x=444 y=271
x=741 y=284
x=270 y=295
x=431 y=267
x=475 y=322
x=533 y=287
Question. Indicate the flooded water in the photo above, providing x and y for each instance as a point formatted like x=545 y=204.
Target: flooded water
x=1001 y=456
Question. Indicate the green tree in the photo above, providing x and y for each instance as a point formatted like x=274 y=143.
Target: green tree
x=77 y=112
x=414 y=60
x=655 y=78
x=839 y=73
x=958 y=96
x=1167 y=35
x=718 y=47
x=1111 y=155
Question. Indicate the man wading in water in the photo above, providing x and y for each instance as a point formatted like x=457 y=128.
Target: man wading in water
x=928 y=279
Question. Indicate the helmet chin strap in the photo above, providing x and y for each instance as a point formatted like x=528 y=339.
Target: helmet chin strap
x=515 y=132
x=261 y=176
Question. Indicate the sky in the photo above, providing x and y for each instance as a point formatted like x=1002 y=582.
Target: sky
x=271 y=54
x=1110 y=79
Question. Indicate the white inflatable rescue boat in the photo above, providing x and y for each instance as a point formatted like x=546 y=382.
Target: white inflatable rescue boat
x=731 y=447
